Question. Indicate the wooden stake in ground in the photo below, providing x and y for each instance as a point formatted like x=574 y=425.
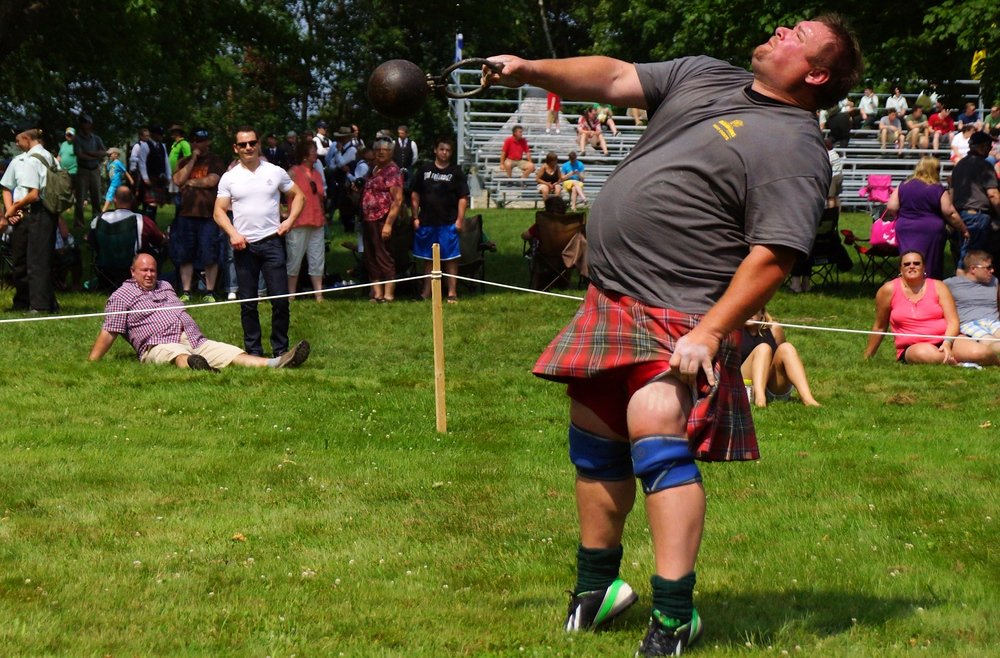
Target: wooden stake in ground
x=439 y=405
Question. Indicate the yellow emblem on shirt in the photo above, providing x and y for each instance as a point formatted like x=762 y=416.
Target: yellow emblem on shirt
x=727 y=128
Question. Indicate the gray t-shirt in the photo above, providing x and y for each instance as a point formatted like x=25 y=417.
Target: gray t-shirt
x=90 y=144
x=974 y=300
x=970 y=179
x=717 y=170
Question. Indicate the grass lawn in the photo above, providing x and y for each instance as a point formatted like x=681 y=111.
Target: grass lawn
x=148 y=511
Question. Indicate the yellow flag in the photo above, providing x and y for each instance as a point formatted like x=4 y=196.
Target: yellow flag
x=976 y=69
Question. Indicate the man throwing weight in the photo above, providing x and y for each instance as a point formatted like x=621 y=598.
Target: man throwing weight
x=692 y=233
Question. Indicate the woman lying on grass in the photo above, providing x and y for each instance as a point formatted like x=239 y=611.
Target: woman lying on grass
x=772 y=363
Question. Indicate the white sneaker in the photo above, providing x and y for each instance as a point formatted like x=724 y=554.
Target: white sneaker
x=231 y=296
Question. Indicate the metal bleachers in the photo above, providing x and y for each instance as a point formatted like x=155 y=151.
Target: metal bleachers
x=483 y=123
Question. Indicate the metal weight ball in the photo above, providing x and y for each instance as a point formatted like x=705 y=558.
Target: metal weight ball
x=397 y=88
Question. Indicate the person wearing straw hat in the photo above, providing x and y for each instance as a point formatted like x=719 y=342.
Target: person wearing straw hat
x=33 y=231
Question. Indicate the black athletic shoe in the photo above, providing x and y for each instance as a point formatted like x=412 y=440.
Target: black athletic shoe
x=296 y=356
x=589 y=610
x=666 y=639
x=196 y=362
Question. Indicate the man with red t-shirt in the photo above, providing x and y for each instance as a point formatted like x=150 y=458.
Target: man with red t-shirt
x=941 y=125
x=516 y=153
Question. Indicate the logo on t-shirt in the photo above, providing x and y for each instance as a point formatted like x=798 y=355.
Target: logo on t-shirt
x=727 y=128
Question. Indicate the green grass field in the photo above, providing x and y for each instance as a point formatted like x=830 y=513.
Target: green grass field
x=148 y=511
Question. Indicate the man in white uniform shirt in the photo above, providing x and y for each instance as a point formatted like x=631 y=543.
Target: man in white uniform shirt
x=252 y=191
x=33 y=231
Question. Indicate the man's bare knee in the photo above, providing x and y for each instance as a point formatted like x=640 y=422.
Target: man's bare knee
x=660 y=407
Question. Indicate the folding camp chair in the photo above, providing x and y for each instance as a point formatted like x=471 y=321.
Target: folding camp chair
x=828 y=257
x=472 y=263
x=115 y=245
x=876 y=262
x=557 y=233
x=877 y=189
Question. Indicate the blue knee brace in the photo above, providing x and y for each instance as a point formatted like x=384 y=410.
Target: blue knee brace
x=597 y=458
x=662 y=462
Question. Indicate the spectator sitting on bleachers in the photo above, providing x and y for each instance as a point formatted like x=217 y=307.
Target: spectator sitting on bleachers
x=928 y=98
x=976 y=298
x=840 y=124
x=516 y=153
x=606 y=117
x=572 y=179
x=588 y=129
x=549 y=176
x=960 y=142
x=897 y=102
x=941 y=125
x=970 y=117
x=991 y=124
x=638 y=115
x=918 y=130
x=868 y=106
x=890 y=126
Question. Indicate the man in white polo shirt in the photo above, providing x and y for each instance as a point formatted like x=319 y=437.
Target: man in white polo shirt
x=252 y=191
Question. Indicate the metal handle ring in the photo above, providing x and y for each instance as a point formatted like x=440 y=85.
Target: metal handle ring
x=440 y=83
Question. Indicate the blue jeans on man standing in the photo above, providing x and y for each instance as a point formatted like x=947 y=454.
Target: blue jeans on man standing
x=978 y=224
x=265 y=257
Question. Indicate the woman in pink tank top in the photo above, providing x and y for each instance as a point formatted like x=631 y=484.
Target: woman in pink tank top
x=916 y=304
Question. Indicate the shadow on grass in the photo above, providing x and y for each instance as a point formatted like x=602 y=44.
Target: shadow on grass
x=764 y=616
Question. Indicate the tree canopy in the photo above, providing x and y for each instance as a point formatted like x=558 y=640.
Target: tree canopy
x=280 y=64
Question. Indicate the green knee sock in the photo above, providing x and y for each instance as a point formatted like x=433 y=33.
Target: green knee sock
x=674 y=598
x=596 y=568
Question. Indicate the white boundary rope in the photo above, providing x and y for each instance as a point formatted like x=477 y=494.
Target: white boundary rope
x=433 y=275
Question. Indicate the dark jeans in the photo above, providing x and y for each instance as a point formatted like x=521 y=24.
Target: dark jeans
x=978 y=224
x=32 y=244
x=88 y=187
x=265 y=257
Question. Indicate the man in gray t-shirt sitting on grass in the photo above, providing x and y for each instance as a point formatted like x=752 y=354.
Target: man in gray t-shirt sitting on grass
x=977 y=297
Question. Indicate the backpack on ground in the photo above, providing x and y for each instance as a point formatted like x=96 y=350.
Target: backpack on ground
x=58 y=193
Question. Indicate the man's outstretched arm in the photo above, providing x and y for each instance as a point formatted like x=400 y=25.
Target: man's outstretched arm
x=592 y=78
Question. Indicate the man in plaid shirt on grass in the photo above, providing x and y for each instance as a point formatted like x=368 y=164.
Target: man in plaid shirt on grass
x=148 y=313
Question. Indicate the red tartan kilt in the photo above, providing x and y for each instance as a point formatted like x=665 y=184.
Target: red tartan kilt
x=612 y=331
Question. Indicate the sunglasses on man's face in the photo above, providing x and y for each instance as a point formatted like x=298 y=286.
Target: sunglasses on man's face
x=249 y=144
